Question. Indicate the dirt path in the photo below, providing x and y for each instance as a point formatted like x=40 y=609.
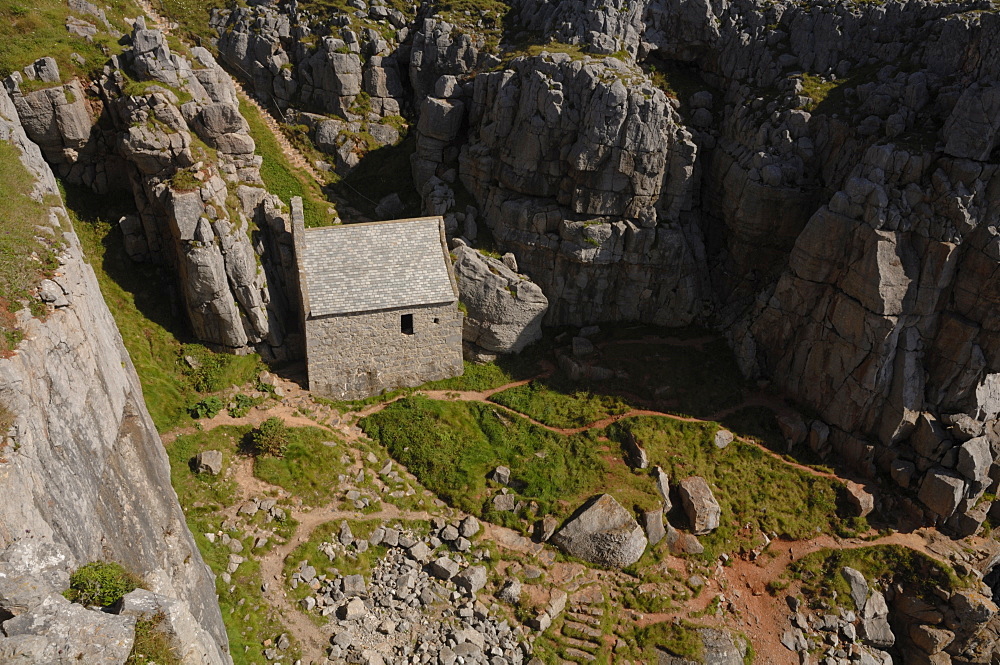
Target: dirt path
x=743 y=583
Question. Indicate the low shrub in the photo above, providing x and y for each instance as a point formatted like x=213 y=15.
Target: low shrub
x=101 y=583
x=271 y=437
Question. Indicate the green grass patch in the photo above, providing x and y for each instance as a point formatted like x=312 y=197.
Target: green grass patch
x=560 y=405
x=192 y=16
x=249 y=619
x=134 y=88
x=308 y=468
x=36 y=29
x=883 y=564
x=280 y=177
x=828 y=97
x=24 y=258
x=750 y=485
x=101 y=583
x=451 y=446
x=488 y=376
x=678 y=639
x=152 y=644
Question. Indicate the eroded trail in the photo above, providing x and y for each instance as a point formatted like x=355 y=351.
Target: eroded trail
x=757 y=613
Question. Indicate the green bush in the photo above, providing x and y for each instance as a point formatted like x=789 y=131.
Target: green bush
x=101 y=583
x=243 y=404
x=207 y=408
x=271 y=438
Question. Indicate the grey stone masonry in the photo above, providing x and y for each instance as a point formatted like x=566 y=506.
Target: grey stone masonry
x=357 y=355
x=380 y=305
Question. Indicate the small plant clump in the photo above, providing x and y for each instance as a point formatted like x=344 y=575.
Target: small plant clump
x=207 y=408
x=185 y=181
x=101 y=583
x=271 y=438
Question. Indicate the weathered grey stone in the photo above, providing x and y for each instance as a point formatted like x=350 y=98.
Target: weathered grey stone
x=942 y=491
x=653 y=525
x=504 y=310
x=209 y=461
x=443 y=568
x=78 y=634
x=723 y=438
x=352 y=610
x=662 y=482
x=472 y=579
x=92 y=450
x=858 y=584
x=700 y=505
x=602 y=532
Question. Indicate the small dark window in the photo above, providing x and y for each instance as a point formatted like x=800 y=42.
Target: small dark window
x=406 y=324
x=437 y=320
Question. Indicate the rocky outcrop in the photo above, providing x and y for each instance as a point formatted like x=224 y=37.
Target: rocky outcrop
x=192 y=171
x=504 y=310
x=602 y=532
x=83 y=466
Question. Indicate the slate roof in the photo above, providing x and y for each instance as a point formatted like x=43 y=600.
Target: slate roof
x=379 y=265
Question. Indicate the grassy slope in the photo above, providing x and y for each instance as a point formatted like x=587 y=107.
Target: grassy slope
x=890 y=564
x=249 y=620
x=35 y=29
x=309 y=467
x=278 y=174
x=750 y=485
x=560 y=405
x=149 y=326
x=20 y=270
x=451 y=447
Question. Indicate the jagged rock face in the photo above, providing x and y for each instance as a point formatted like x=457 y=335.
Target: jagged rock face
x=85 y=466
x=575 y=162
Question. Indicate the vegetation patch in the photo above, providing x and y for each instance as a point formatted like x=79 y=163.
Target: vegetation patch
x=280 y=177
x=884 y=565
x=152 y=644
x=101 y=583
x=451 y=447
x=308 y=467
x=677 y=639
x=174 y=376
x=560 y=405
x=37 y=29
x=248 y=617
x=489 y=376
x=751 y=486
x=192 y=16
x=25 y=259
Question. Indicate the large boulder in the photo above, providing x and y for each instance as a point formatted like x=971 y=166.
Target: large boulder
x=942 y=491
x=700 y=505
x=71 y=632
x=602 y=532
x=504 y=309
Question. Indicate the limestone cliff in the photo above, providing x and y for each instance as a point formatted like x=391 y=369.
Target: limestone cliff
x=819 y=181
x=82 y=464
